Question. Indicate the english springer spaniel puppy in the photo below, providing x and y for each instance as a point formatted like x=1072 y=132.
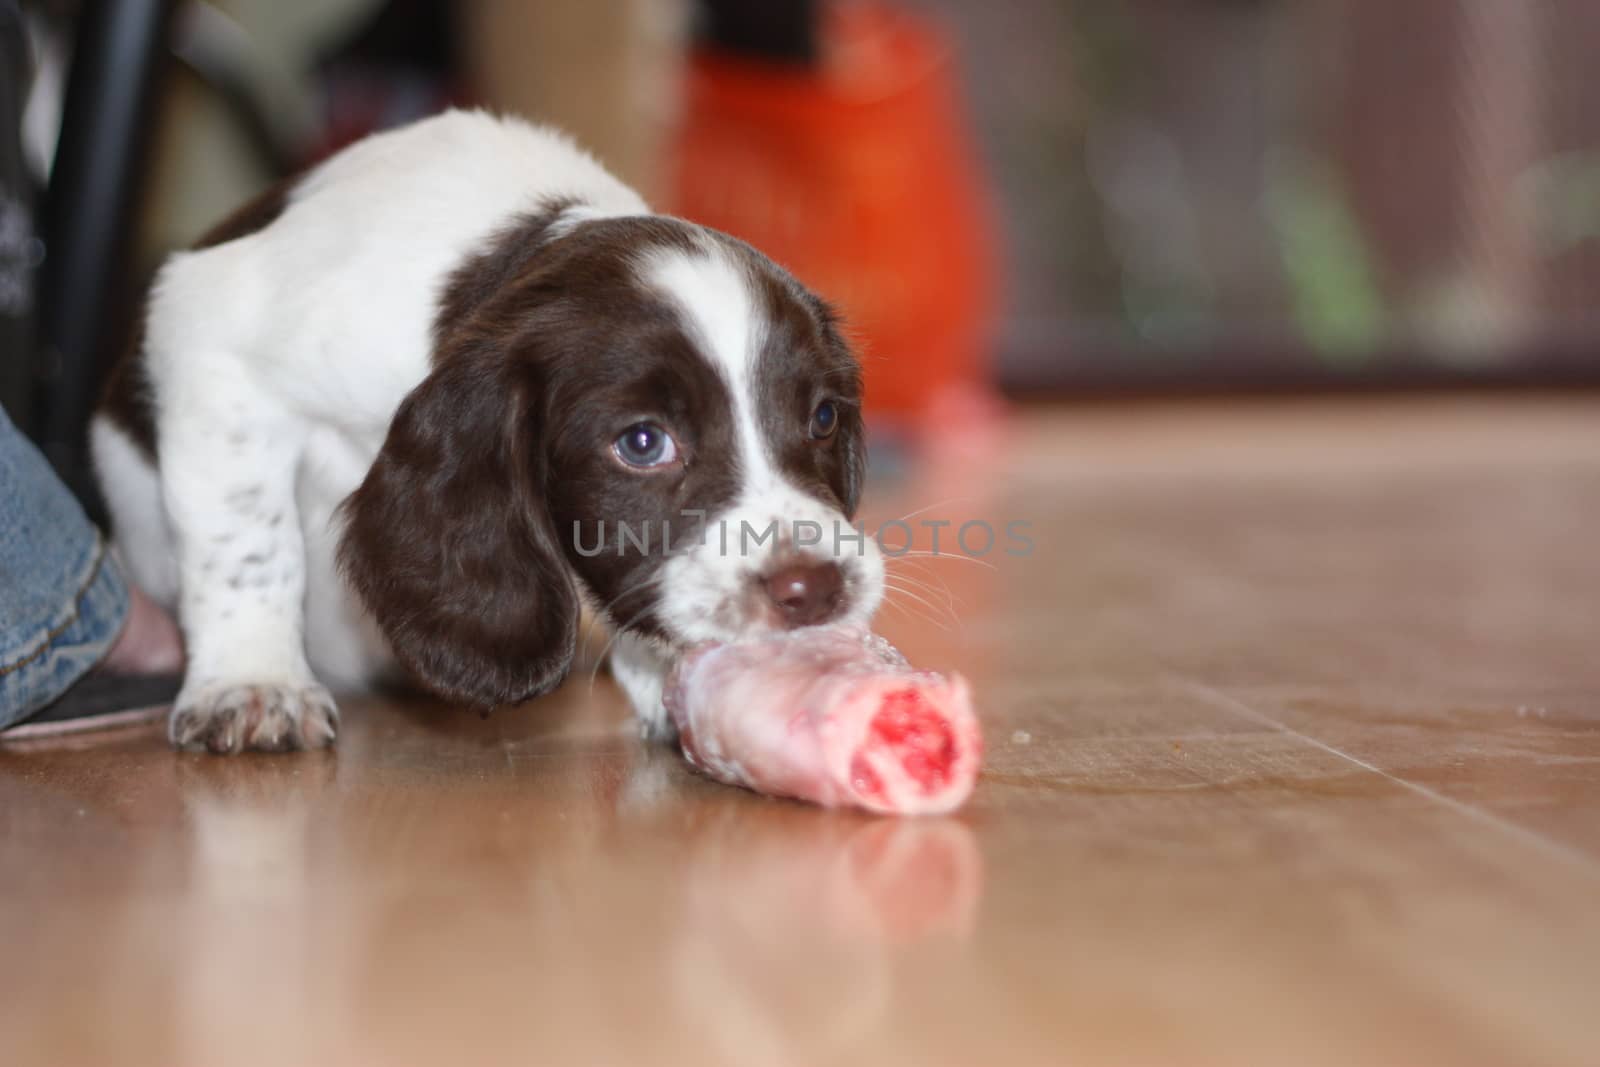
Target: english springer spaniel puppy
x=419 y=404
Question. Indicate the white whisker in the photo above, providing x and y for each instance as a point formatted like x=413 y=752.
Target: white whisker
x=918 y=554
x=947 y=601
x=888 y=588
x=930 y=507
x=925 y=579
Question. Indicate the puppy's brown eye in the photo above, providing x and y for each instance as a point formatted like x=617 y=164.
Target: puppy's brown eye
x=644 y=444
x=824 y=420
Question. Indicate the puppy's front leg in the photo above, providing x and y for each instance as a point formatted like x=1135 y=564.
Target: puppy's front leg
x=228 y=458
x=641 y=670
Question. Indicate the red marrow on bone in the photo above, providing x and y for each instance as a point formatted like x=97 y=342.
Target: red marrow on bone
x=832 y=715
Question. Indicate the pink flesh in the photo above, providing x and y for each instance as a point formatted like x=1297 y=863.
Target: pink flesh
x=834 y=716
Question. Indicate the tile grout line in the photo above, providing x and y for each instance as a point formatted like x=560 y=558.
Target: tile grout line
x=1229 y=702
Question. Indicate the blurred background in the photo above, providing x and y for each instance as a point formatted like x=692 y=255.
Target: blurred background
x=1012 y=199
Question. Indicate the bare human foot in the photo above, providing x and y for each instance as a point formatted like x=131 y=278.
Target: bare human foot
x=149 y=643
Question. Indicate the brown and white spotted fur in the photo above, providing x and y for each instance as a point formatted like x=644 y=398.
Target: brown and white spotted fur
x=379 y=417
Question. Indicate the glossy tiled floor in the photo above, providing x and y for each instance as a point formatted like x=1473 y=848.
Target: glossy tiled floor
x=1294 y=725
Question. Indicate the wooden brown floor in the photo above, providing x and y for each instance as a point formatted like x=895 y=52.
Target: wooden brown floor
x=1294 y=757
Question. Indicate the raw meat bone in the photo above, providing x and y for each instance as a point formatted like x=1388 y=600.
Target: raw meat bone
x=833 y=715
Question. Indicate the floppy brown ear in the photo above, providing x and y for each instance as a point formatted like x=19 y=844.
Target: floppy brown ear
x=449 y=543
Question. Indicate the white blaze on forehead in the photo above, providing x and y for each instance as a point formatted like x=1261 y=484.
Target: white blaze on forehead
x=714 y=295
x=706 y=593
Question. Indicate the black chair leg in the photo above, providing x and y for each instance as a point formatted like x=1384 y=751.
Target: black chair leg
x=88 y=212
x=20 y=250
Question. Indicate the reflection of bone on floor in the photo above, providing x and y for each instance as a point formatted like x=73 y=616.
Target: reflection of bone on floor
x=853 y=890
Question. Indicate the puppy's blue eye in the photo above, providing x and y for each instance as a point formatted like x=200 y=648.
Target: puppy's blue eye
x=824 y=420
x=644 y=444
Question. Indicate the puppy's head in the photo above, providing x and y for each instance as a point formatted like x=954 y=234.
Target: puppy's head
x=635 y=410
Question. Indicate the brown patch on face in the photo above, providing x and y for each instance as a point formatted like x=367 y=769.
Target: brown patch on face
x=463 y=538
x=125 y=399
x=804 y=362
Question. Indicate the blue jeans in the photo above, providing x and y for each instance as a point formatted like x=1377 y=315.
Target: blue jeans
x=62 y=598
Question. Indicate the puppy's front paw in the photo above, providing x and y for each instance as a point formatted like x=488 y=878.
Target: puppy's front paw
x=266 y=717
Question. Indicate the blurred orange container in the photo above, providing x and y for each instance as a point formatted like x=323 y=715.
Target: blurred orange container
x=857 y=175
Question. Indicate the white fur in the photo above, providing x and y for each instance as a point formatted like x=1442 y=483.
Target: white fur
x=713 y=295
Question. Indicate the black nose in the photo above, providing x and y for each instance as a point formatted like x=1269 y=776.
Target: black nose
x=805 y=593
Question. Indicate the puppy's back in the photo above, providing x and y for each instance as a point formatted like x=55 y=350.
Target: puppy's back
x=336 y=294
